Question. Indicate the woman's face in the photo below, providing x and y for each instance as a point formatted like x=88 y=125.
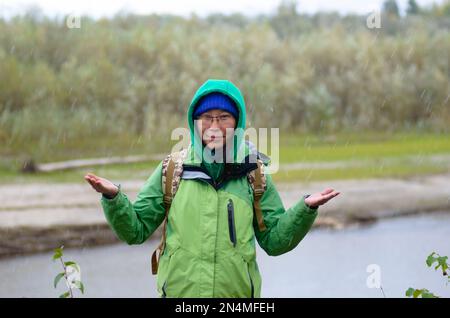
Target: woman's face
x=213 y=127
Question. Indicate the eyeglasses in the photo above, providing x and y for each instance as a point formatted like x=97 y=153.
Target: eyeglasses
x=223 y=119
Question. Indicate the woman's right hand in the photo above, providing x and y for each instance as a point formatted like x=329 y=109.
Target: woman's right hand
x=102 y=185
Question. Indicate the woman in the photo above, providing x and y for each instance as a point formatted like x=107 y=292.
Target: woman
x=211 y=227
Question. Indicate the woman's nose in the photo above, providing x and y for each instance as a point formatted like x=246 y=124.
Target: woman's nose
x=215 y=125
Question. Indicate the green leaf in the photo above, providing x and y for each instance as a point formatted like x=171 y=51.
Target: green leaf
x=79 y=285
x=428 y=295
x=409 y=292
x=443 y=262
x=57 y=279
x=57 y=255
x=417 y=293
x=58 y=252
x=431 y=260
x=73 y=264
x=65 y=295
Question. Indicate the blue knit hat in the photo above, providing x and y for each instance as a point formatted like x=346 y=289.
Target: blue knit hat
x=216 y=101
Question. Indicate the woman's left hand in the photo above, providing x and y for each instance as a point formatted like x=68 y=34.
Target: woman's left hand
x=317 y=199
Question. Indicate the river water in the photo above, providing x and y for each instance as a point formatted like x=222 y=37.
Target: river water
x=327 y=263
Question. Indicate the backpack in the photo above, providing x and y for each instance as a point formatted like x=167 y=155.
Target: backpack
x=172 y=170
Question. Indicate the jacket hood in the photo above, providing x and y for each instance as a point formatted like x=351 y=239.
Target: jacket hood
x=225 y=87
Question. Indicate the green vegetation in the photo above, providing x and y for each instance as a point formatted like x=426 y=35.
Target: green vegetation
x=375 y=146
x=391 y=171
x=118 y=86
x=70 y=268
x=441 y=261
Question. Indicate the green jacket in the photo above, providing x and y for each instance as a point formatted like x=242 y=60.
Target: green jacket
x=208 y=254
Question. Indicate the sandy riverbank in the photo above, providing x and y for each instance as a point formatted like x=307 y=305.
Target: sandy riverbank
x=39 y=217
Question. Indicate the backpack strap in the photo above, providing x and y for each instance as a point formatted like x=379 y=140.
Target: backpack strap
x=257 y=180
x=172 y=169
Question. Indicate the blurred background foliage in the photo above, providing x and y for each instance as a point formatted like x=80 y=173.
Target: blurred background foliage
x=122 y=84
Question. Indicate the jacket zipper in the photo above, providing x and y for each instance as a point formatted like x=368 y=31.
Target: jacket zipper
x=252 y=295
x=164 y=295
x=231 y=224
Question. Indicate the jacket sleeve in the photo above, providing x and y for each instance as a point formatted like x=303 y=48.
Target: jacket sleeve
x=285 y=228
x=134 y=223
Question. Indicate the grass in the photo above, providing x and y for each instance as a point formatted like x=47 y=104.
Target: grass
x=371 y=148
x=392 y=171
x=13 y=156
x=140 y=170
x=366 y=146
x=93 y=147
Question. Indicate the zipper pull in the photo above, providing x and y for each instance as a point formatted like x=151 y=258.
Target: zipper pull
x=231 y=224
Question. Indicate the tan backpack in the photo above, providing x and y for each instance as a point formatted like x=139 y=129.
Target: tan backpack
x=172 y=170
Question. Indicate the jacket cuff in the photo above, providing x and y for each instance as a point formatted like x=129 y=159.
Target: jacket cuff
x=306 y=208
x=302 y=213
x=115 y=199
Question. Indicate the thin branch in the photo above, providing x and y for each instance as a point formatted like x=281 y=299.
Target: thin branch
x=381 y=287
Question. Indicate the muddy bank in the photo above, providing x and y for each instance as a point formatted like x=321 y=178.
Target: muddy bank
x=40 y=217
x=29 y=240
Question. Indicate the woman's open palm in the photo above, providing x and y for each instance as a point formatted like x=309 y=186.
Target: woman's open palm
x=321 y=198
x=101 y=185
